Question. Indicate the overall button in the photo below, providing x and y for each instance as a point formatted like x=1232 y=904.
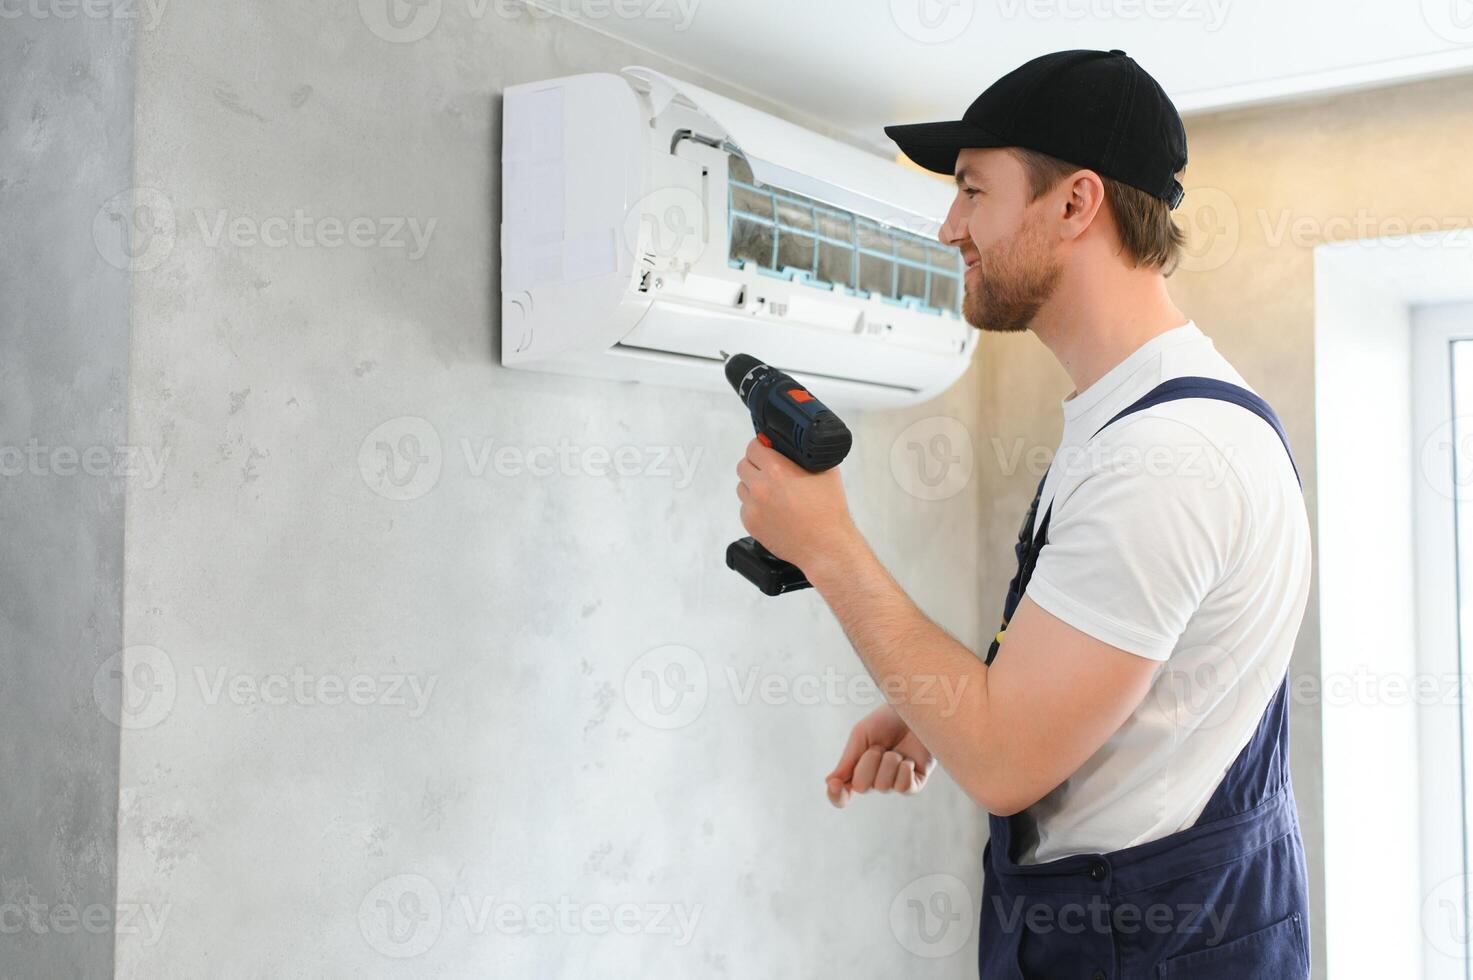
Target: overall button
x=1097 y=871
x=1098 y=975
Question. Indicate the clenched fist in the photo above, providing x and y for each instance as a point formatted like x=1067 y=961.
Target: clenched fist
x=883 y=755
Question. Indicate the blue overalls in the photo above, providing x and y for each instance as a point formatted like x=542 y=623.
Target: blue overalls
x=1224 y=898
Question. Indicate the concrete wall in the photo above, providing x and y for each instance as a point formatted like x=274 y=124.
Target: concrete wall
x=410 y=692
x=66 y=143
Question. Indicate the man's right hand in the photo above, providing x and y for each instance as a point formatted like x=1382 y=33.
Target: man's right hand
x=883 y=755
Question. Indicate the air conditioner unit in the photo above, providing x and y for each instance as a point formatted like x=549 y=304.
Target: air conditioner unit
x=648 y=225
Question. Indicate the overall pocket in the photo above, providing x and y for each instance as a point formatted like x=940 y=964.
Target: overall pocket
x=1273 y=953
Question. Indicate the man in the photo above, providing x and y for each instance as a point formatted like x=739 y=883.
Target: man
x=1127 y=731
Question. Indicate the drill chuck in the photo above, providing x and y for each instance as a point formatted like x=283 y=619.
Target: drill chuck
x=741 y=373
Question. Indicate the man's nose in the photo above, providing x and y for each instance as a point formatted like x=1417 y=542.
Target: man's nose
x=954 y=229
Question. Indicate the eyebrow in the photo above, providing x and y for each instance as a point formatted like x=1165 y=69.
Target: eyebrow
x=962 y=175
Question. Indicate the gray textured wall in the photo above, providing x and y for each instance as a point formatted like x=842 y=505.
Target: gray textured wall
x=66 y=143
x=330 y=521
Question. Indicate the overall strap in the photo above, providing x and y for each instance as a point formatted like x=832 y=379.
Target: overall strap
x=1031 y=540
x=1027 y=556
x=1193 y=387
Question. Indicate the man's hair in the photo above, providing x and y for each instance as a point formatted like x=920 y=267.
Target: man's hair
x=1149 y=236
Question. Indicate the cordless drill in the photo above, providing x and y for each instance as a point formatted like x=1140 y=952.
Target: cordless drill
x=789 y=419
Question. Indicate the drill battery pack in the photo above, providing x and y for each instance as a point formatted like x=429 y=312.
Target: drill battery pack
x=764 y=570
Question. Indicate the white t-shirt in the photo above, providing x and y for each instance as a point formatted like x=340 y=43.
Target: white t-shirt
x=1180 y=535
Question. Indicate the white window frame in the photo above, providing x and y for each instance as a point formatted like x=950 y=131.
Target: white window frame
x=1387 y=608
x=1442 y=740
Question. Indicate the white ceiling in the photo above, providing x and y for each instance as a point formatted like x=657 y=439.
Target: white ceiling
x=859 y=64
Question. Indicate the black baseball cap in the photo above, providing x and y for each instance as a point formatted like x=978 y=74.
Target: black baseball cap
x=1095 y=109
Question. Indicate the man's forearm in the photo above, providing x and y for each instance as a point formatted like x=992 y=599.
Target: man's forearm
x=938 y=686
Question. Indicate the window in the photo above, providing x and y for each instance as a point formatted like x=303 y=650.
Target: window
x=1442 y=403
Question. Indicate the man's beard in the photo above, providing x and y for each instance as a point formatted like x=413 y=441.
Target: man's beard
x=1012 y=283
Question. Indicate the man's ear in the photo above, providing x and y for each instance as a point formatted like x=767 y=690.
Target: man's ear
x=1086 y=195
